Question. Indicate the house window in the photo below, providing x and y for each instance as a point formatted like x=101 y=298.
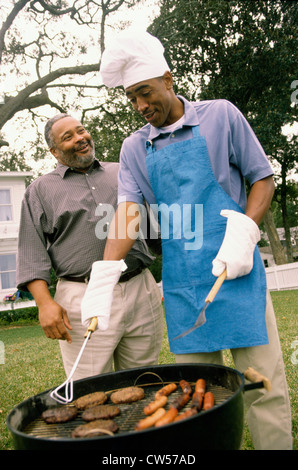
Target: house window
x=5 y=205
x=8 y=271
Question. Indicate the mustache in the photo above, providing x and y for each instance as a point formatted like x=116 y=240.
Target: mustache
x=146 y=114
x=83 y=144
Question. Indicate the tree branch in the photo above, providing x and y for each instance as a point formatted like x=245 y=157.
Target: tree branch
x=15 y=104
x=3 y=143
x=76 y=85
x=51 y=9
x=9 y=20
x=40 y=100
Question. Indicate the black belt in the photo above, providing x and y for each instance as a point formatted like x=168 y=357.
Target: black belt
x=127 y=276
x=124 y=278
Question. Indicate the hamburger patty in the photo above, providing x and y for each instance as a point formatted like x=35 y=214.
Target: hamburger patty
x=92 y=399
x=100 y=412
x=95 y=428
x=127 y=395
x=60 y=414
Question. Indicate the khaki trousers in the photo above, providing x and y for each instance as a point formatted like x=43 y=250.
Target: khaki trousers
x=268 y=413
x=135 y=333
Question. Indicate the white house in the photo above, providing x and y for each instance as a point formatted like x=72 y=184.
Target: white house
x=12 y=189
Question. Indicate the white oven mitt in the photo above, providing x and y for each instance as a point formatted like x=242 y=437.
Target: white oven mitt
x=98 y=297
x=237 y=249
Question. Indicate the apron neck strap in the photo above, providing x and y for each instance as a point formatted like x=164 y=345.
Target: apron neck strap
x=149 y=144
x=196 y=131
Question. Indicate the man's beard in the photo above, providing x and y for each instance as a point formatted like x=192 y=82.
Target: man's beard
x=75 y=160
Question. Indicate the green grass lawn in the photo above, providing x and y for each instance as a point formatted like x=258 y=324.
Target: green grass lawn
x=32 y=363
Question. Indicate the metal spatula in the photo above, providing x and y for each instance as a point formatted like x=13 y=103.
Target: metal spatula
x=67 y=397
x=210 y=297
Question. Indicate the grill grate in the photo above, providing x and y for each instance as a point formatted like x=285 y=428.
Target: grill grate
x=129 y=416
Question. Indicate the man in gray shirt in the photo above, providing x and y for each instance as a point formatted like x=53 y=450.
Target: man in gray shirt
x=64 y=222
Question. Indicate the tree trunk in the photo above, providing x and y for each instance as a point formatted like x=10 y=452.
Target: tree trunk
x=276 y=246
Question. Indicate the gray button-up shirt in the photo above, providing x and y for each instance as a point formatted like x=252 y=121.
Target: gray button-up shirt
x=65 y=219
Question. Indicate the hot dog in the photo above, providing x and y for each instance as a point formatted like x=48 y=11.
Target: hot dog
x=186 y=414
x=150 y=420
x=180 y=401
x=200 y=386
x=208 y=401
x=167 y=418
x=186 y=388
x=166 y=390
x=154 y=405
x=197 y=400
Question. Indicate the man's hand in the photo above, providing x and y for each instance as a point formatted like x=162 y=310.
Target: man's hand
x=53 y=318
x=54 y=321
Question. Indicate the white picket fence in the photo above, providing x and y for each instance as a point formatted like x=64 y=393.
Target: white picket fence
x=16 y=305
x=283 y=277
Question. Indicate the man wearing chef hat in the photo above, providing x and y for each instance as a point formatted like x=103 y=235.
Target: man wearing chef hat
x=198 y=154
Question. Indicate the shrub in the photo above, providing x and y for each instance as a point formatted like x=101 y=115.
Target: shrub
x=22 y=315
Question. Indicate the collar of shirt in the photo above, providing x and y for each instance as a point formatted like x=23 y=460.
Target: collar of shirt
x=191 y=119
x=63 y=169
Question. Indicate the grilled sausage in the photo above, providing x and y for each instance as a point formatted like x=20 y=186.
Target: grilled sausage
x=197 y=400
x=186 y=388
x=186 y=414
x=180 y=401
x=150 y=420
x=154 y=405
x=200 y=386
x=166 y=390
x=208 y=401
x=167 y=418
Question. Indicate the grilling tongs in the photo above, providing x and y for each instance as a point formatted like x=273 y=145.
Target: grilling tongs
x=210 y=297
x=68 y=384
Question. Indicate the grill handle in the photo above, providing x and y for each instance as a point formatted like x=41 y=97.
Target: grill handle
x=258 y=380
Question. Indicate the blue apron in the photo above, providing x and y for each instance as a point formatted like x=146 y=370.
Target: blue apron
x=183 y=182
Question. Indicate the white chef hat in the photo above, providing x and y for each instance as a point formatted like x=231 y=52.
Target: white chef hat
x=132 y=58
